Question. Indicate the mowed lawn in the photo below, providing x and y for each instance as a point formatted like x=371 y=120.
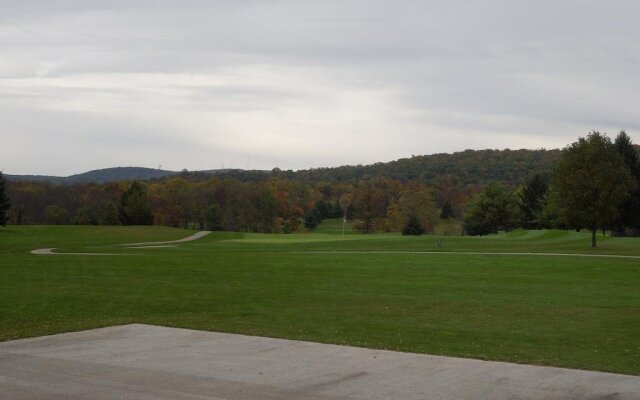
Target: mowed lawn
x=361 y=290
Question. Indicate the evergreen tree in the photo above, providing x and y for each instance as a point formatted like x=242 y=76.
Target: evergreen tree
x=630 y=209
x=336 y=210
x=212 y=218
x=530 y=201
x=349 y=213
x=108 y=214
x=491 y=211
x=312 y=218
x=134 y=206
x=628 y=153
x=323 y=209
x=4 y=202
x=266 y=209
x=412 y=226
x=447 y=211
x=590 y=183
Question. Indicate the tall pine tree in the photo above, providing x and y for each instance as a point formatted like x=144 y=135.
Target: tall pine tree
x=412 y=226
x=4 y=202
x=630 y=209
x=134 y=206
x=447 y=211
x=530 y=201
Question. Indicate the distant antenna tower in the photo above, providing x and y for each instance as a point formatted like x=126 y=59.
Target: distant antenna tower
x=160 y=166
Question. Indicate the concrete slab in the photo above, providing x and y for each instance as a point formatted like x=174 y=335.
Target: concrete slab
x=148 y=362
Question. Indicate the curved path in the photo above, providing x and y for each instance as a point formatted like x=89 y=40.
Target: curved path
x=158 y=244
x=143 y=245
x=49 y=252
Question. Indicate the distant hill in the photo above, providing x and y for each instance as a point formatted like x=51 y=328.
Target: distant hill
x=99 y=176
x=34 y=178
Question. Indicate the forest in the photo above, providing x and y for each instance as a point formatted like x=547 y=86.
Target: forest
x=276 y=205
x=471 y=192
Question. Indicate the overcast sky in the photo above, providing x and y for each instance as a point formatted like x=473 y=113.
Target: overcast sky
x=299 y=84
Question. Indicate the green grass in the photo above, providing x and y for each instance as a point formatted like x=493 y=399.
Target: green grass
x=335 y=227
x=565 y=311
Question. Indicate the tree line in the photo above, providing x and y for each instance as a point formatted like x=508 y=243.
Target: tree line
x=593 y=184
x=274 y=205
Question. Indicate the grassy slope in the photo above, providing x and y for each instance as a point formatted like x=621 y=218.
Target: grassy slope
x=564 y=311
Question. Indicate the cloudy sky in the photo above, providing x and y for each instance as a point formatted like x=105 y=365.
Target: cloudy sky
x=298 y=84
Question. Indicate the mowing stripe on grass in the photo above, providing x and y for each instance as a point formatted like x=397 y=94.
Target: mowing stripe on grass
x=470 y=253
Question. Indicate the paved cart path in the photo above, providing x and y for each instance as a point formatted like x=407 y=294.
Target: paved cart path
x=195 y=236
x=148 y=362
x=143 y=245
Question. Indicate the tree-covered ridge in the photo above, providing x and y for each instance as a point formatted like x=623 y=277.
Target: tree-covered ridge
x=468 y=167
x=459 y=169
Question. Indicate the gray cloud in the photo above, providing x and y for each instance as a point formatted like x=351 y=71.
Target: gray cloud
x=194 y=84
